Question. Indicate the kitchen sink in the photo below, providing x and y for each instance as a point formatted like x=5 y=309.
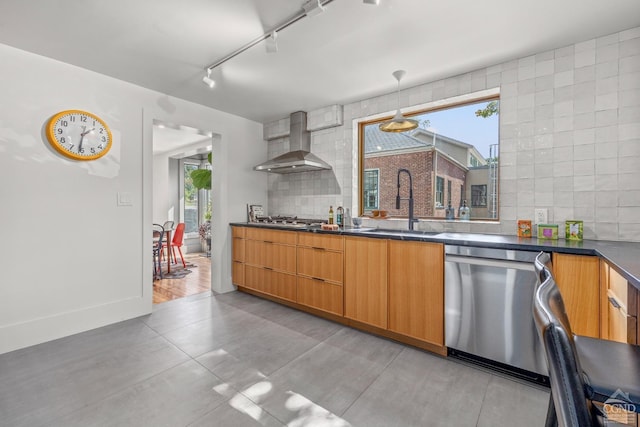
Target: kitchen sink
x=396 y=233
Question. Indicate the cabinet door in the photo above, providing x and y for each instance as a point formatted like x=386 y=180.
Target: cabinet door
x=282 y=285
x=416 y=290
x=238 y=249
x=320 y=294
x=365 y=280
x=578 y=278
x=273 y=255
x=321 y=264
x=619 y=306
x=237 y=273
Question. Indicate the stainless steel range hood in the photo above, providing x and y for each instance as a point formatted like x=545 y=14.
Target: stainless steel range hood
x=299 y=158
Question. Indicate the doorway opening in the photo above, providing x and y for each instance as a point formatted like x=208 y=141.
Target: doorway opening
x=183 y=209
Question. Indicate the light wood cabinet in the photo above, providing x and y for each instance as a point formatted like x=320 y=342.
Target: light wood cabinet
x=320 y=270
x=271 y=282
x=320 y=294
x=578 y=278
x=619 y=302
x=416 y=290
x=270 y=262
x=365 y=280
x=237 y=255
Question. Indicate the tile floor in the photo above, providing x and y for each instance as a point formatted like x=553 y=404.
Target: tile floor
x=236 y=360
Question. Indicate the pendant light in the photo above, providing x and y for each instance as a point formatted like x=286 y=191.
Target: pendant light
x=398 y=123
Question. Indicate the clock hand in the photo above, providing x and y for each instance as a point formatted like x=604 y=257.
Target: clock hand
x=86 y=132
x=81 y=138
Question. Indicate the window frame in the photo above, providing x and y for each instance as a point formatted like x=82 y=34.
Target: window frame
x=203 y=196
x=487 y=95
x=474 y=196
x=439 y=190
x=377 y=171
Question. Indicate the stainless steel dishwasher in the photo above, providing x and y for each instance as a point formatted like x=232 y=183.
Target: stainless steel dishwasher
x=488 y=302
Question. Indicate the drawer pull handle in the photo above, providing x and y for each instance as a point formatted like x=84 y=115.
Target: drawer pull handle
x=318 y=249
x=614 y=303
x=268 y=268
x=268 y=241
x=318 y=279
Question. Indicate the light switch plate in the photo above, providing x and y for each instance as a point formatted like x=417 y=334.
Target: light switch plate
x=542 y=216
x=125 y=199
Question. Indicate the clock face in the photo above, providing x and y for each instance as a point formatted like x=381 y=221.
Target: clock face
x=79 y=135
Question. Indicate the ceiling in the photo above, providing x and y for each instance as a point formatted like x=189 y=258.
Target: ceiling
x=345 y=54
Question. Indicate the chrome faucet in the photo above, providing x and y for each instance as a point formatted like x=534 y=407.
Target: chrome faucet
x=410 y=199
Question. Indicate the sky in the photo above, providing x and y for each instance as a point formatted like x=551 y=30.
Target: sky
x=462 y=124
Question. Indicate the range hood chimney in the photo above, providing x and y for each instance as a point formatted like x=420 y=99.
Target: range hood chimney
x=299 y=158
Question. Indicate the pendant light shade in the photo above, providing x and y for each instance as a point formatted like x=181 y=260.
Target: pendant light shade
x=398 y=123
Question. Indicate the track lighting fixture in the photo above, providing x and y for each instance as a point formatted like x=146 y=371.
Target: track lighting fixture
x=374 y=2
x=272 y=42
x=398 y=123
x=208 y=80
x=313 y=8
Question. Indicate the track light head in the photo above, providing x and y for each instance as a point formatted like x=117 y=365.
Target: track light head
x=313 y=8
x=208 y=80
x=272 y=42
x=373 y=2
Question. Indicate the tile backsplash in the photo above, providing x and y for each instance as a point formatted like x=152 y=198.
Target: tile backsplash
x=569 y=142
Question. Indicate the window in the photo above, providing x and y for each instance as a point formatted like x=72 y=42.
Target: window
x=371 y=183
x=479 y=195
x=190 y=200
x=195 y=203
x=439 y=192
x=455 y=143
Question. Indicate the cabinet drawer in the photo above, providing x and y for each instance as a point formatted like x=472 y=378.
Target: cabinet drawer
x=321 y=295
x=321 y=263
x=324 y=241
x=272 y=255
x=238 y=249
x=271 y=282
x=237 y=273
x=275 y=236
x=238 y=232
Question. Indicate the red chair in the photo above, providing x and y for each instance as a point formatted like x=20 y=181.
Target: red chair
x=176 y=242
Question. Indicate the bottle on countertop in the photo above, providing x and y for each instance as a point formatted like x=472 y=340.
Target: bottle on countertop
x=465 y=212
x=347 y=218
x=330 y=214
x=449 y=212
x=340 y=216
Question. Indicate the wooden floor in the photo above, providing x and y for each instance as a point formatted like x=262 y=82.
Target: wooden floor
x=199 y=280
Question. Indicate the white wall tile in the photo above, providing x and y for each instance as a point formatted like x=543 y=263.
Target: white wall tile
x=569 y=130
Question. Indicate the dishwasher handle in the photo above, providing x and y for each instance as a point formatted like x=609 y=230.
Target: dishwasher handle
x=488 y=262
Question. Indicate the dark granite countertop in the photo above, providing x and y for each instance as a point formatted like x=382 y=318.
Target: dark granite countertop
x=624 y=257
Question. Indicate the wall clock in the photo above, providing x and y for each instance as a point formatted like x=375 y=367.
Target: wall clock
x=79 y=135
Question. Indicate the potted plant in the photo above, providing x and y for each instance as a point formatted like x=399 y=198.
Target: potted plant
x=201 y=179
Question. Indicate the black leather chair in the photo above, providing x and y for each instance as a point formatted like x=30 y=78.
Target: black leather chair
x=591 y=379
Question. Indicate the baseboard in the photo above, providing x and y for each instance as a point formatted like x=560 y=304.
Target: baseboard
x=36 y=331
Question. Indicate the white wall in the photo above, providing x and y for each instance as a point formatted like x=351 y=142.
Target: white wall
x=569 y=141
x=72 y=259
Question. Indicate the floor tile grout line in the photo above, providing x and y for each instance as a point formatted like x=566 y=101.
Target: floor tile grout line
x=484 y=397
x=372 y=381
x=118 y=391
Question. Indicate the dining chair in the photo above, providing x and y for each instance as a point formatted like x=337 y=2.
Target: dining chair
x=168 y=228
x=158 y=236
x=593 y=381
x=176 y=243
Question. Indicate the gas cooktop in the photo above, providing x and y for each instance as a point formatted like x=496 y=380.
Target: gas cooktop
x=287 y=221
